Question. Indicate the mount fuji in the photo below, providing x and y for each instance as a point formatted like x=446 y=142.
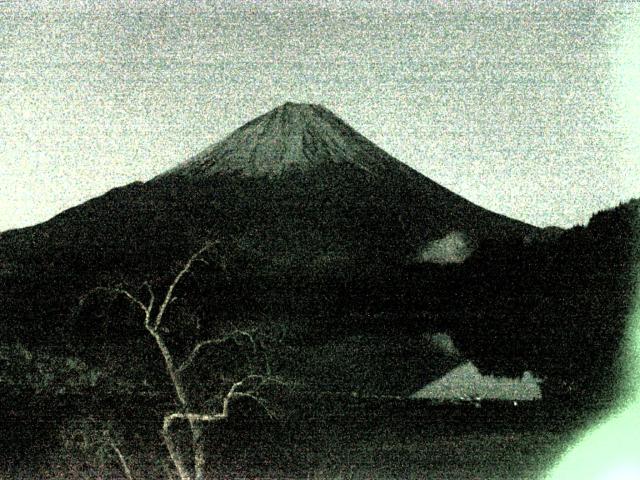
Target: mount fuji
x=306 y=210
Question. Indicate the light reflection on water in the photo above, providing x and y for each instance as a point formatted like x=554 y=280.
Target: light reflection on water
x=610 y=450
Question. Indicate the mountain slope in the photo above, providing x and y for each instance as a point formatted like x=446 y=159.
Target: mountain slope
x=296 y=186
x=301 y=204
x=292 y=135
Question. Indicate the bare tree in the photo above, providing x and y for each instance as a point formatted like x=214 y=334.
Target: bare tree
x=249 y=387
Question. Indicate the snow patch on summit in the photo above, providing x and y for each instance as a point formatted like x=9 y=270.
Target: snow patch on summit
x=293 y=135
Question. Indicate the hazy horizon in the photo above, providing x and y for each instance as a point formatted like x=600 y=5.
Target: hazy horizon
x=527 y=110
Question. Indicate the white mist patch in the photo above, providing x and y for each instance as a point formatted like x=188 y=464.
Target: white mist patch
x=442 y=342
x=455 y=247
x=467 y=382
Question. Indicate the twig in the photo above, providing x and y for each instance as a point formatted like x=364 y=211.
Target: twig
x=176 y=281
x=215 y=341
x=123 y=462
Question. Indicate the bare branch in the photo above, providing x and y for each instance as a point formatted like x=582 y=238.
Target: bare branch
x=260 y=380
x=114 y=447
x=247 y=334
x=212 y=342
x=202 y=260
x=118 y=291
x=191 y=417
x=181 y=468
x=170 y=367
x=152 y=297
x=267 y=364
x=196 y=350
x=177 y=279
x=134 y=300
x=196 y=419
x=260 y=401
x=269 y=380
x=235 y=392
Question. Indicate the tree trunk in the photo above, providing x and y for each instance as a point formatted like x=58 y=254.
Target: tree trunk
x=197 y=431
x=174 y=454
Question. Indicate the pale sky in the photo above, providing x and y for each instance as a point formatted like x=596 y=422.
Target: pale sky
x=528 y=110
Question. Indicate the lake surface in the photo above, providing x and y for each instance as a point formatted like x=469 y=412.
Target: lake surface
x=332 y=438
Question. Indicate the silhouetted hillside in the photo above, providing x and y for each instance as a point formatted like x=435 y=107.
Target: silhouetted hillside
x=558 y=308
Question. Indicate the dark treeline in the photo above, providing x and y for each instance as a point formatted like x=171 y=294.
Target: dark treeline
x=558 y=308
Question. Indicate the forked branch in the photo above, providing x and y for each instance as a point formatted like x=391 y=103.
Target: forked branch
x=197 y=349
x=185 y=269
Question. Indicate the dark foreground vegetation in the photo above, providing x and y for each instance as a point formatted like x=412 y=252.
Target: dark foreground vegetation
x=84 y=407
x=335 y=437
x=315 y=280
x=555 y=306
